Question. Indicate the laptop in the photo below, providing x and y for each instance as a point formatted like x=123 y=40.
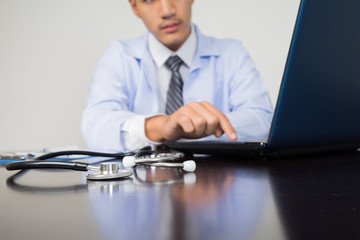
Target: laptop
x=318 y=106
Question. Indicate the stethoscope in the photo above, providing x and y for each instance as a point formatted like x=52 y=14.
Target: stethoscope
x=106 y=170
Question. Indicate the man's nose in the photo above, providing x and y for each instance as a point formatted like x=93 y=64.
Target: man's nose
x=167 y=8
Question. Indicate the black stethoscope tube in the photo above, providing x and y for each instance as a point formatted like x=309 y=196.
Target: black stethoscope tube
x=82 y=152
x=77 y=166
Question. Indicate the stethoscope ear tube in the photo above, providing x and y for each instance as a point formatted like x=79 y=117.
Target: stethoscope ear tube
x=90 y=153
x=77 y=166
x=81 y=152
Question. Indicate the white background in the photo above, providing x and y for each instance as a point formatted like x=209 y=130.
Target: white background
x=48 y=51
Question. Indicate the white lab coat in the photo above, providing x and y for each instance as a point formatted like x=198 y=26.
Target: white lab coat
x=125 y=84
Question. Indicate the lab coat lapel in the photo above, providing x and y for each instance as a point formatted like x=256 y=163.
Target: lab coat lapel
x=150 y=76
x=139 y=50
x=203 y=70
x=205 y=49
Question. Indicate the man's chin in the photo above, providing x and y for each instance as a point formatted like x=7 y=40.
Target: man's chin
x=173 y=43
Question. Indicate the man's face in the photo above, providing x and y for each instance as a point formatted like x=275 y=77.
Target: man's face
x=168 y=20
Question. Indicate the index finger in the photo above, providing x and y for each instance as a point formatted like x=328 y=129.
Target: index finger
x=223 y=121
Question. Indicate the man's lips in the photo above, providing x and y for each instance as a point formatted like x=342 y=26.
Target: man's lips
x=170 y=27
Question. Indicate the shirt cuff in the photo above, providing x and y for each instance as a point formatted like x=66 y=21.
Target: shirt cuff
x=134 y=133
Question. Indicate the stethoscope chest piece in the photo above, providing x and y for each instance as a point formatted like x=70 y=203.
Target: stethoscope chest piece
x=107 y=171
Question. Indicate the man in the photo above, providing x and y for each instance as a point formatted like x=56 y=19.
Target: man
x=206 y=86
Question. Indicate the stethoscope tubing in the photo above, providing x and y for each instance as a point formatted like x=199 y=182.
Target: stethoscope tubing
x=36 y=164
x=84 y=152
x=40 y=161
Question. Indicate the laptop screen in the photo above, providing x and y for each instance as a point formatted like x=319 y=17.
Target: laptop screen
x=319 y=98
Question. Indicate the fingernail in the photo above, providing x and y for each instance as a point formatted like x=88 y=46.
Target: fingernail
x=233 y=136
x=217 y=133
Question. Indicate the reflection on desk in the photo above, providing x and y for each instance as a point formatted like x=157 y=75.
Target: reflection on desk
x=221 y=204
x=318 y=197
x=309 y=197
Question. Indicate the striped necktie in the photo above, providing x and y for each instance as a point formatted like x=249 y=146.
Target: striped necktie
x=174 y=95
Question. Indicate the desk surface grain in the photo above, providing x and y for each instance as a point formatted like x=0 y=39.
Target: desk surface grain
x=309 y=197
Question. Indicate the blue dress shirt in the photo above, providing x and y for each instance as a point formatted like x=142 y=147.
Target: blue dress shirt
x=125 y=85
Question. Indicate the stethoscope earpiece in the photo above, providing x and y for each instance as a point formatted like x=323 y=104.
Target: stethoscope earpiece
x=129 y=161
x=189 y=166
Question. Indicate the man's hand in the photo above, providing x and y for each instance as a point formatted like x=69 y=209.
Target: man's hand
x=195 y=120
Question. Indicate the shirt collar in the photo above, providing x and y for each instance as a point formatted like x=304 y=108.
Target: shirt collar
x=161 y=53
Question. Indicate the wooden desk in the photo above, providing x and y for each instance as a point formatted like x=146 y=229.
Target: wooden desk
x=299 y=198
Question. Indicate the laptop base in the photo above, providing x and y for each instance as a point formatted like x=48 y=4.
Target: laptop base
x=254 y=149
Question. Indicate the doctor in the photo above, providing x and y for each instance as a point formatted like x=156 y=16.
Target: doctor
x=173 y=83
